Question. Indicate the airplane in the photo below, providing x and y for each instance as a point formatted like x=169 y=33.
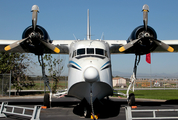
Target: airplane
x=89 y=73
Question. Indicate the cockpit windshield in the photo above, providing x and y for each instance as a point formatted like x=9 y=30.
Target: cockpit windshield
x=90 y=52
x=99 y=51
x=81 y=51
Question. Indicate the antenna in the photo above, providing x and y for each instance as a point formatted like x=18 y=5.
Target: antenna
x=88 y=26
x=102 y=36
x=74 y=37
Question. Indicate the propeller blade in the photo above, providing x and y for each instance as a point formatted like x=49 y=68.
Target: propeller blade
x=15 y=44
x=164 y=46
x=35 y=10
x=51 y=46
x=128 y=45
x=145 y=10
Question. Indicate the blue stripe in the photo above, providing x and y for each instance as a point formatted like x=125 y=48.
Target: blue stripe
x=74 y=63
x=106 y=63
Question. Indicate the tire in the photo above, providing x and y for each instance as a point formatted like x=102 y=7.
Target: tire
x=46 y=101
x=131 y=100
x=87 y=112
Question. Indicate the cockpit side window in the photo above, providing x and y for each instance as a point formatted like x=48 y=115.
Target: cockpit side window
x=106 y=53
x=74 y=53
x=81 y=51
x=90 y=50
x=99 y=51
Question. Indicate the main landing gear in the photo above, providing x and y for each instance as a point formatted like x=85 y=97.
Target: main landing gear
x=131 y=97
x=47 y=97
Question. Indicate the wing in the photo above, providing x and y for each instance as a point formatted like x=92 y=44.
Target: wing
x=115 y=45
x=22 y=47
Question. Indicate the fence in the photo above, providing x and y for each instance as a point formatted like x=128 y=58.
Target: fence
x=29 y=83
x=36 y=83
x=4 y=84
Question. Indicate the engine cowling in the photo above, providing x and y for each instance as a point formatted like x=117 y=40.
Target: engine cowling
x=33 y=44
x=145 y=44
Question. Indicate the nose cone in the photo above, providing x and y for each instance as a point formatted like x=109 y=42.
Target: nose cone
x=91 y=75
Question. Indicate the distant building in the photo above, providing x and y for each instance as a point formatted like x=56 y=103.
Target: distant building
x=157 y=84
x=119 y=82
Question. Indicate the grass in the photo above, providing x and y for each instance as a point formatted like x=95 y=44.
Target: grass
x=156 y=94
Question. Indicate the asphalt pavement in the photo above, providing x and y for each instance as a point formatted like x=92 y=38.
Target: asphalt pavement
x=67 y=108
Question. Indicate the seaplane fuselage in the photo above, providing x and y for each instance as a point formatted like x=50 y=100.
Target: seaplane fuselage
x=89 y=70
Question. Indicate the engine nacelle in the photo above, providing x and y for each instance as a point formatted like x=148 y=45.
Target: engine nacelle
x=33 y=44
x=145 y=44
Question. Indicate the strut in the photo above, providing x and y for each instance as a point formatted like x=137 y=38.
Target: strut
x=91 y=100
x=46 y=80
x=131 y=97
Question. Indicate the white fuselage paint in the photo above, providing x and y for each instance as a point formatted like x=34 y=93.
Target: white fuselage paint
x=89 y=70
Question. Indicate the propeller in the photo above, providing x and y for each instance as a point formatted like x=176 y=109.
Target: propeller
x=146 y=35
x=34 y=34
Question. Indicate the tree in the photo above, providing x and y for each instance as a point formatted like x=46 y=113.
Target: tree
x=17 y=63
x=55 y=67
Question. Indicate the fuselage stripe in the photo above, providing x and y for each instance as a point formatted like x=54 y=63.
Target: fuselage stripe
x=106 y=63
x=74 y=63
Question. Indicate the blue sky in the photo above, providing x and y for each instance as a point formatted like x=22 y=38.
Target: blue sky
x=115 y=18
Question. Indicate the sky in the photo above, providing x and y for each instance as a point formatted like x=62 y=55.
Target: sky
x=115 y=18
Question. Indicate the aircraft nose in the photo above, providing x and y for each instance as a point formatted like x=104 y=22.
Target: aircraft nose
x=91 y=74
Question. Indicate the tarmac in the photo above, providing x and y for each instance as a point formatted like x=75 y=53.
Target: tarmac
x=67 y=108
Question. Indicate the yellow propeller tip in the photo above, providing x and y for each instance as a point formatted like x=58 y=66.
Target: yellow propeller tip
x=121 y=49
x=145 y=10
x=170 y=49
x=56 y=50
x=7 y=48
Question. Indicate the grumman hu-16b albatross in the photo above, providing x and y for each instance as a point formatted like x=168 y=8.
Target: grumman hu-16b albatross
x=90 y=75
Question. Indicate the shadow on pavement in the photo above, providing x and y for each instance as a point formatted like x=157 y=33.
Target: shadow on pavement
x=104 y=109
